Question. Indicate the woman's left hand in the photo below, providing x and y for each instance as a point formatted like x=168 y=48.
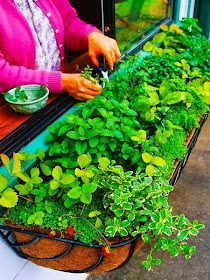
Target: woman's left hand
x=99 y=44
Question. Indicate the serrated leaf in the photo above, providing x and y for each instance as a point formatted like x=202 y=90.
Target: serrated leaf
x=81 y=147
x=78 y=172
x=41 y=154
x=89 y=187
x=5 y=161
x=57 y=173
x=86 y=197
x=24 y=177
x=9 y=198
x=73 y=135
x=3 y=183
x=94 y=142
x=67 y=179
x=34 y=172
x=24 y=189
x=54 y=185
x=148 y=47
x=16 y=168
x=83 y=161
x=104 y=162
x=75 y=192
x=45 y=169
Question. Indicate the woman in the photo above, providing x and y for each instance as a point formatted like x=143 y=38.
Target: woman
x=32 y=38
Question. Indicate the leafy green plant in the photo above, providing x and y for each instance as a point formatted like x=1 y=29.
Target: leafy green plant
x=87 y=73
x=105 y=173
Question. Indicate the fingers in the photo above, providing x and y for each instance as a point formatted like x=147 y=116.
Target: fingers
x=94 y=59
x=112 y=54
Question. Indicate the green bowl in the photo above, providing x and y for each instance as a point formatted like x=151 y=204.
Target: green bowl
x=33 y=103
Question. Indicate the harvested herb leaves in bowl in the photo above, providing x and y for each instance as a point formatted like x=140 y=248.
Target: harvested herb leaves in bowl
x=27 y=99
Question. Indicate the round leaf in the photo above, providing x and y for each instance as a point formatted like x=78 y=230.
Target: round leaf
x=150 y=170
x=158 y=161
x=146 y=157
x=104 y=162
x=148 y=47
x=83 y=161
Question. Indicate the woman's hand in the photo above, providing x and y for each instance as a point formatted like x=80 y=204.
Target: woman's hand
x=99 y=44
x=79 y=87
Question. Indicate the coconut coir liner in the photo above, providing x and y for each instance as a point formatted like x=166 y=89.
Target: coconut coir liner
x=79 y=258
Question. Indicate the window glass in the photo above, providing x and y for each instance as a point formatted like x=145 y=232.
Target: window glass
x=136 y=18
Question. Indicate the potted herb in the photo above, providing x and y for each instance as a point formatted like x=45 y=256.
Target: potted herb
x=104 y=179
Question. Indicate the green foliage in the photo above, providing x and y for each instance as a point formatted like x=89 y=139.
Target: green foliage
x=21 y=96
x=88 y=74
x=107 y=167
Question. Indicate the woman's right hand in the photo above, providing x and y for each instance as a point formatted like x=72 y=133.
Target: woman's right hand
x=79 y=87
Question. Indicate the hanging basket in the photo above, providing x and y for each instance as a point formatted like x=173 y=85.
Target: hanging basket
x=76 y=257
x=66 y=254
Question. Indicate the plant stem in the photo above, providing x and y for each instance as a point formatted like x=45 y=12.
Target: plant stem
x=28 y=199
x=106 y=240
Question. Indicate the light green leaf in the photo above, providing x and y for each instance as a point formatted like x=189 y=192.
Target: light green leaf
x=89 y=187
x=104 y=162
x=9 y=198
x=150 y=170
x=67 y=179
x=158 y=161
x=16 y=168
x=5 y=161
x=83 y=161
x=57 y=173
x=45 y=169
x=54 y=185
x=86 y=197
x=35 y=172
x=40 y=154
x=24 y=177
x=98 y=223
x=78 y=172
x=158 y=38
x=148 y=47
x=146 y=157
x=75 y=192
x=3 y=183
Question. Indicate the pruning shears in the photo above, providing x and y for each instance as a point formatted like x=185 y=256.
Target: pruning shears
x=105 y=73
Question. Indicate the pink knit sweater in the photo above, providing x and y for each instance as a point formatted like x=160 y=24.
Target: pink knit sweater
x=17 y=44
